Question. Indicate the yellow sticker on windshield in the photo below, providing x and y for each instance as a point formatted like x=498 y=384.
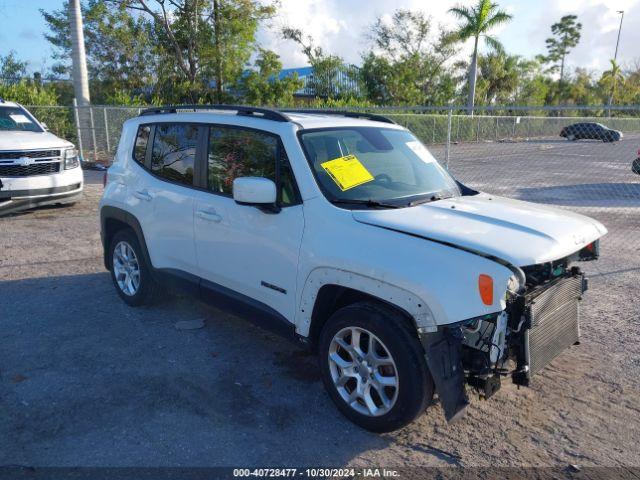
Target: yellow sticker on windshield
x=347 y=172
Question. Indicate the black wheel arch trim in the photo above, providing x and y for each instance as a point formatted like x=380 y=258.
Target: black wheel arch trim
x=114 y=213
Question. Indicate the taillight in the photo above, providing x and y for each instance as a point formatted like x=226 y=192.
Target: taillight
x=105 y=178
x=485 y=287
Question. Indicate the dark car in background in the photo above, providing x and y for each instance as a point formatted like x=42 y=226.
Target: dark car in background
x=635 y=166
x=590 y=131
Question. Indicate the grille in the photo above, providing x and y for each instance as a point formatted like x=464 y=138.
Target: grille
x=29 y=153
x=554 y=323
x=29 y=170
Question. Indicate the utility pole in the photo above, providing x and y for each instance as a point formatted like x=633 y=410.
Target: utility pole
x=78 y=55
x=615 y=55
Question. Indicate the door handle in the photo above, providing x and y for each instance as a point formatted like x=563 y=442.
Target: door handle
x=209 y=215
x=143 y=195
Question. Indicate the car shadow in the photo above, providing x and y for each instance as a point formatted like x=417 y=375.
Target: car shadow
x=586 y=194
x=87 y=380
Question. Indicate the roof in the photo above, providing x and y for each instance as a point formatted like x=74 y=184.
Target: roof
x=301 y=71
x=4 y=103
x=302 y=118
x=319 y=120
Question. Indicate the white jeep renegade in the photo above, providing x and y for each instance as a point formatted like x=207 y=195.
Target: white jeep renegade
x=36 y=167
x=341 y=230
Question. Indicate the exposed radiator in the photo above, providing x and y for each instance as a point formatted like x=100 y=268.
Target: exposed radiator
x=554 y=315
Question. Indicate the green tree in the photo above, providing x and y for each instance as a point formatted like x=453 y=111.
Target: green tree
x=610 y=80
x=405 y=65
x=566 y=35
x=580 y=89
x=476 y=23
x=533 y=85
x=12 y=69
x=331 y=78
x=119 y=51
x=630 y=94
x=498 y=79
x=204 y=40
x=262 y=86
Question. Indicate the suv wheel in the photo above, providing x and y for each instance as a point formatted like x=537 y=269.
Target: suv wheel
x=373 y=367
x=130 y=273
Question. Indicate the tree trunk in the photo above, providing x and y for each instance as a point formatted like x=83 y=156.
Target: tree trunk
x=473 y=72
x=218 y=60
x=562 y=69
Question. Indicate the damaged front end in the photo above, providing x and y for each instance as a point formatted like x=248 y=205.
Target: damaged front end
x=540 y=321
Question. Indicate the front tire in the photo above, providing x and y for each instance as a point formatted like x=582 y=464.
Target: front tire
x=373 y=367
x=130 y=272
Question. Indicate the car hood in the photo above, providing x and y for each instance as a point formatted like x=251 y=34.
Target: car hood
x=30 y=141
x=520 y=233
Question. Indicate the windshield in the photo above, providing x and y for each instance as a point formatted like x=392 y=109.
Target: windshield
x=375 y=166
x=16 y=118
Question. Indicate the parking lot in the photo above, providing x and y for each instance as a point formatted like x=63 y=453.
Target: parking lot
x=86 y=380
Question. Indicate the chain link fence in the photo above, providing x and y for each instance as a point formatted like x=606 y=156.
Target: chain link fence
x=515 y=152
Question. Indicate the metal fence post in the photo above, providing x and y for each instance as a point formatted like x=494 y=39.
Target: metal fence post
x=93 y=134
x=78 y=130
x=433 y=132
x=448 y=145
x=106 y=129
x=496 y=127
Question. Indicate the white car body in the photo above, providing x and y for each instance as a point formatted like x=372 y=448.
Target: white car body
x=425 y=259
x=31 y=150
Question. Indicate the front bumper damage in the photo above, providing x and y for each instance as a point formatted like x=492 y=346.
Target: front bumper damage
x=535 y=328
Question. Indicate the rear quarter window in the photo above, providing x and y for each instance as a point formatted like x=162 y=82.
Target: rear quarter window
x=141 y=144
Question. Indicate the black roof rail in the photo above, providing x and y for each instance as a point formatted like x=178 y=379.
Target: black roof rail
x=344 y=113
x=266 y=113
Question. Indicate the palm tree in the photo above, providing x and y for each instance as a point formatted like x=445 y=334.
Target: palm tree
x=611 y=78
x=476 y=23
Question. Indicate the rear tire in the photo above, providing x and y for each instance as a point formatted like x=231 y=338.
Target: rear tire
x=130 y=272
x=378 y=391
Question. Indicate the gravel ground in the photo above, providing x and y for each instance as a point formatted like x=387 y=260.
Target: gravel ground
x=88 y=381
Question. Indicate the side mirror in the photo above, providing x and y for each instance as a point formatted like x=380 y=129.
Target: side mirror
x=256 y=191
x=44 y=125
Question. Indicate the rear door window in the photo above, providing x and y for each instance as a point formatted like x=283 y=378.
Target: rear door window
x=173 y=155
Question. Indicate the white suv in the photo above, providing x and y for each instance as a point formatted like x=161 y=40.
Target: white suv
x=36 y=167
x=341 y=230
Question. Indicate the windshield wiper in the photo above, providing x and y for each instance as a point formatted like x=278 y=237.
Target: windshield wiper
x=432 y=198
x=368 y=203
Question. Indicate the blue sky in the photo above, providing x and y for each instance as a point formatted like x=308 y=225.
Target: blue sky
x=339 y=26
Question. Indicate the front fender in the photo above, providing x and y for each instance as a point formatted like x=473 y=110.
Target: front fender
x=399 y=297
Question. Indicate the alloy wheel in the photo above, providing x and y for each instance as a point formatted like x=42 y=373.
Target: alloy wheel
x=126 y=268
x=363 y=371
